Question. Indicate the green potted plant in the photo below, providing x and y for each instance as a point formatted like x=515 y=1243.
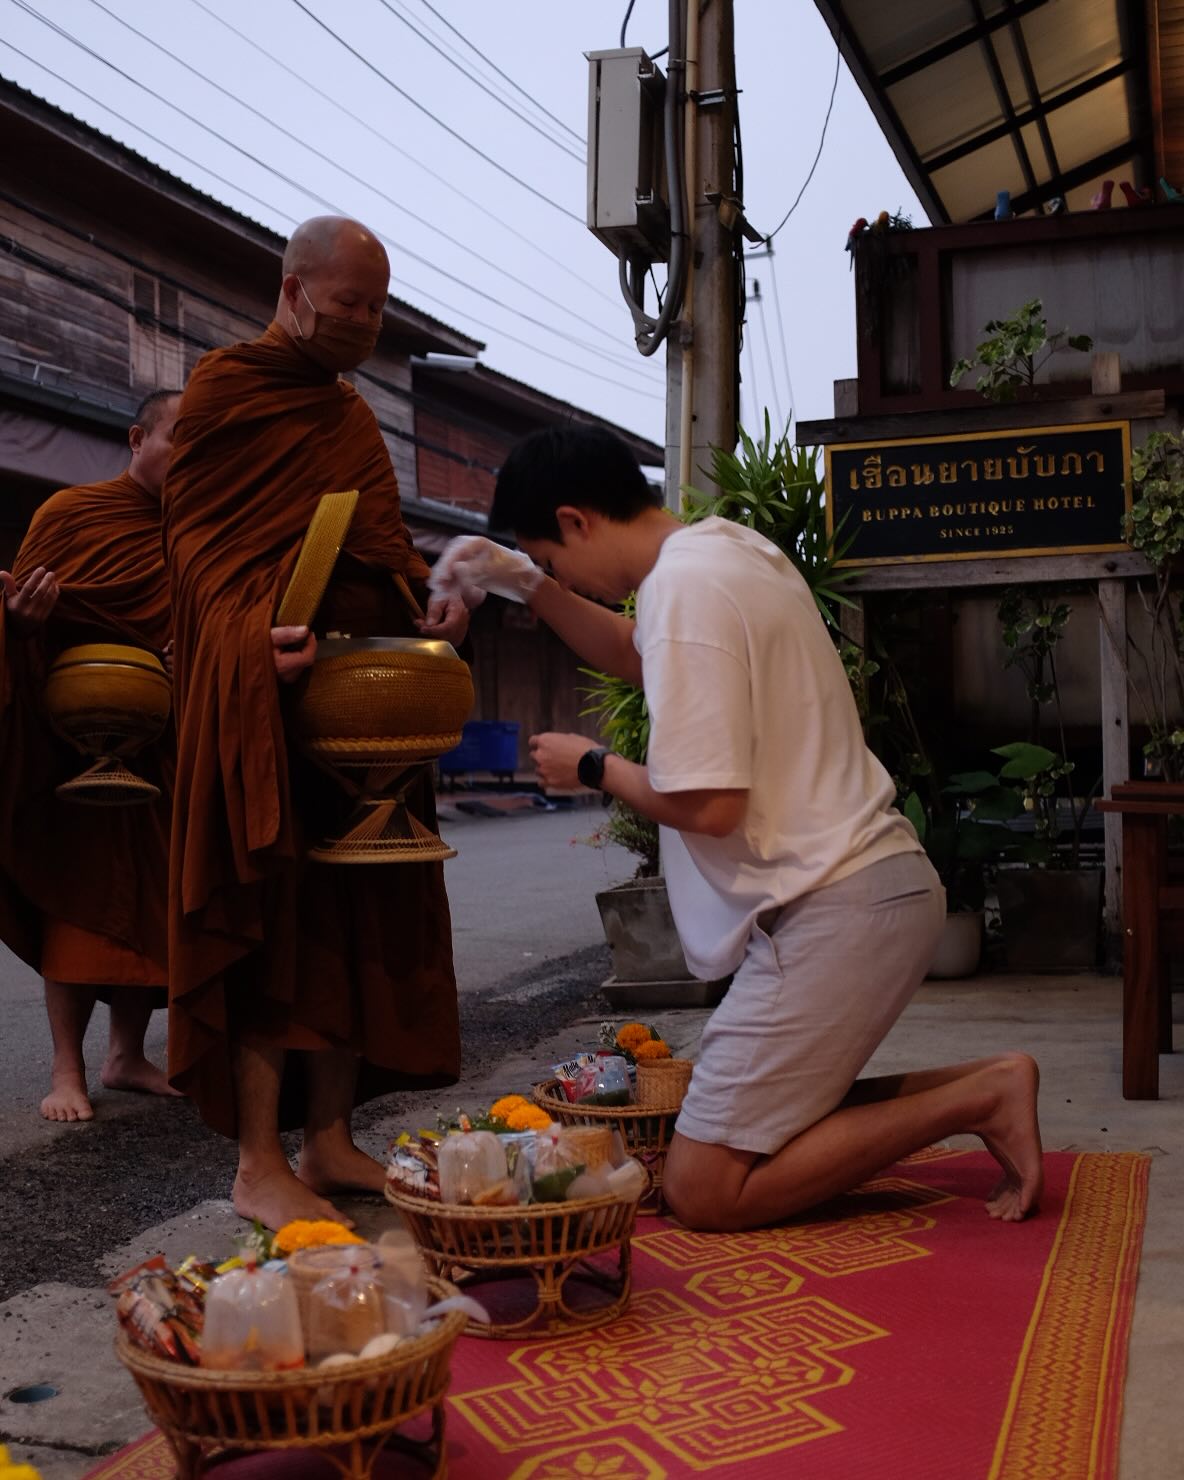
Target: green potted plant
x=1014 y=352
x=778 y=490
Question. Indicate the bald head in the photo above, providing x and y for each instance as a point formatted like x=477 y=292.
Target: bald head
x=326 y=243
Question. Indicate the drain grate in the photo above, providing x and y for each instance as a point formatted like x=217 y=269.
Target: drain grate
x=32 y=1392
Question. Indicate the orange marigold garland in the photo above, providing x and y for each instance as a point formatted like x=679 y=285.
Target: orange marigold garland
x=309 y=1233
x=651 y=1049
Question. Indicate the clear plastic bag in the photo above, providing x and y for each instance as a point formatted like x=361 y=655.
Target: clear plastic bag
x=404 y=1281
x=252 y=1322
x=472 y=1164
x=556 y=1166
x=346 y=1309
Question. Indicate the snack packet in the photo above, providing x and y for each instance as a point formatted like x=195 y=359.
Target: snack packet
x=157 y=1313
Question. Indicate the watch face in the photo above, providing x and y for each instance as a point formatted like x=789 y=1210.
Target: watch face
x=591 y=768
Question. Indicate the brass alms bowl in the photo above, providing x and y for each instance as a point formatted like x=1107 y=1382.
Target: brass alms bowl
x=108 y=701
x=383 y=707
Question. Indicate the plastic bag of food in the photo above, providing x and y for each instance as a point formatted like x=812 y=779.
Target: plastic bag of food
x=346 y=1309
x=252 y=1322
x=472 y=1168
x=556 y=1166
x=403 y=1278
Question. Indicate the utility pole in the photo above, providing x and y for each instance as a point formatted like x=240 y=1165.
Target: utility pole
x=701 y=349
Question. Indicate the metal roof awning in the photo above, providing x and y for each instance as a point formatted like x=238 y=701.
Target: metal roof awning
x=1041 y=98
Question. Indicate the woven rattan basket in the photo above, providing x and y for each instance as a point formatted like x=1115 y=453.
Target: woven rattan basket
x=549 y=1244
x=349 y=1414
x=646 y=1132
x=662 y=1083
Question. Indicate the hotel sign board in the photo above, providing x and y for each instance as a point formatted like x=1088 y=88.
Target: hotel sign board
x=1057 y=490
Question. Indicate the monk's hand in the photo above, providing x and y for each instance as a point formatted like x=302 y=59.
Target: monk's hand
x=293 y=649
x=446 y=619
x=472 y=567
x=556 y=758
x=29 y=604
x=166 y=656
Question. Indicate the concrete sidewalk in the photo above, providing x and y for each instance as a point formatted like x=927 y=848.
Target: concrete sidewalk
x=61 y=1333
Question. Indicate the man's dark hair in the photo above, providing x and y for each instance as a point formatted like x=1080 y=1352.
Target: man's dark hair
x=586 y=467
x=151 y=409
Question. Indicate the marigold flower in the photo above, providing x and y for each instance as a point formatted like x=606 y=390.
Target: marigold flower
x=528 y=1117
x=632 y=1034
x=501 y=1109
x=653 y=1048
x=309 y=1233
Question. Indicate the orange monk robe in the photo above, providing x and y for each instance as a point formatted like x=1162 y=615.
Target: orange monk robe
x=82 y=889
x=263 y=942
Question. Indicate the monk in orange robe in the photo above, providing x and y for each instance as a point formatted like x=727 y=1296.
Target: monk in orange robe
x=82 y=889
x=297 y=989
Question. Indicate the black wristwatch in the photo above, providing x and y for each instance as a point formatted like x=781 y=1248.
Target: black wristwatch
x=591 y=768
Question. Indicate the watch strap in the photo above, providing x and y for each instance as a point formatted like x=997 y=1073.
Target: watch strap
x=590 y=769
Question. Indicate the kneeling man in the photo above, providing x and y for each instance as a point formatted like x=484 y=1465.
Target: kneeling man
x=785 y=859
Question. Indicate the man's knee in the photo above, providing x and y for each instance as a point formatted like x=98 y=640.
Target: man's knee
x=701 y=1201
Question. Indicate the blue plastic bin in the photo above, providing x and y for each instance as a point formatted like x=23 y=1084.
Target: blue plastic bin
x=486 y=745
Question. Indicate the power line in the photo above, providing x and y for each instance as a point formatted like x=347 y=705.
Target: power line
x=777 y=314
x=579 y=138
x=412 y=159
x=360 y=180
x=481 y=83
x=321 y=200
x=821 y=141
x=448 y=129
x=760 y=303
x=273 y=210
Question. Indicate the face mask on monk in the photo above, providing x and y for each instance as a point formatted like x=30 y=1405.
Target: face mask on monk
x=337 y=344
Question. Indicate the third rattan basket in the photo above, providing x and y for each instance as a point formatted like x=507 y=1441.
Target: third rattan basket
x=645 y=1131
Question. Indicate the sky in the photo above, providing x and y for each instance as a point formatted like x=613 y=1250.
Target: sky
x=285 y=109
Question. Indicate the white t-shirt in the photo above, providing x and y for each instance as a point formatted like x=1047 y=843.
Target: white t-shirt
x=746 y=690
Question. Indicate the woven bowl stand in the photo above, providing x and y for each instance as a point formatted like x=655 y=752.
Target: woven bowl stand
x=348 y=1414
x=548 y=1244
x=646 y=1132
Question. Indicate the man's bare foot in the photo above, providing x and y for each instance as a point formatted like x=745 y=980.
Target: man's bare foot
x=139 y=1075
x=277 y=1196
x=1011 y=1133
x=340 y=1168
x=67 y=1099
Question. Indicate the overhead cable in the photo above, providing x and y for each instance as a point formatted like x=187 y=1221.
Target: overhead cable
x=482 y=84
x=448 y=129
x=821 y=141
x=578 y=137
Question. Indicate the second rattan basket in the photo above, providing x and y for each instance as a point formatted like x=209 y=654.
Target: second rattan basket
x=546 y=1247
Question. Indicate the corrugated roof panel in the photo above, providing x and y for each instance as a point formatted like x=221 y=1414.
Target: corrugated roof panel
x=966 y=185
x=1093 y=125
x=897 y=32
x=1070 y=41
x=947 y=103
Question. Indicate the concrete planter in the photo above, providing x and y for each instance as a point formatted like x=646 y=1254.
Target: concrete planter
x=960 y=948
x=649 y=968
x=1051 y=918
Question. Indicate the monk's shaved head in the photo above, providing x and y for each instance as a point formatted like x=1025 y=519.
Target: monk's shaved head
x=332 y=244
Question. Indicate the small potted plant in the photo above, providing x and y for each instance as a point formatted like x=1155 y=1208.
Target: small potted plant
x=1014 y=352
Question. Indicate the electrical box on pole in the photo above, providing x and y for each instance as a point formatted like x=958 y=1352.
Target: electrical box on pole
x=627 y=205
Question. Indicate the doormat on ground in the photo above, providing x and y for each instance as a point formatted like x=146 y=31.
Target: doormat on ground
x=900 y=1333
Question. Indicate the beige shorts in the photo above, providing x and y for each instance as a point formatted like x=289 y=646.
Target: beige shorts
x=821 y=983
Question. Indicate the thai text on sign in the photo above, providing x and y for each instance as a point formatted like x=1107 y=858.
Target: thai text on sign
x=1037 y=491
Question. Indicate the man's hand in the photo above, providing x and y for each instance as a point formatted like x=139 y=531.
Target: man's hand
x=294 y=649
x=446 y=619
x=557 y=756
x=473 y=566
x=29 y=604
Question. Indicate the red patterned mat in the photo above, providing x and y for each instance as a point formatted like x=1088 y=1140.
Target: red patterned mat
x=900 y=1335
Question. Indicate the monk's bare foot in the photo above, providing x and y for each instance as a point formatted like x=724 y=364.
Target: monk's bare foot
x=138 y=1075
x=341 y=1167
x=67 y=1099
x=275 y=1195
x=1011 y=1133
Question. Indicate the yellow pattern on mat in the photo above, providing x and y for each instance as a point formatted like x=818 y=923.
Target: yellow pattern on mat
x=869 y=1235
x=1066 y=1398
x=712 y=1388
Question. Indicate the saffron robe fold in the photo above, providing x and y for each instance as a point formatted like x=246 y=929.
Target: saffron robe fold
x=262 y=941
x=82 y=889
